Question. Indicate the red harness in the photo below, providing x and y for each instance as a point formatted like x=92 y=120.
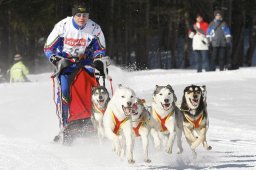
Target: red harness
x=196 y=123
x=118 y=124
x=163 y=120
x=136 y=129
x=99 y=110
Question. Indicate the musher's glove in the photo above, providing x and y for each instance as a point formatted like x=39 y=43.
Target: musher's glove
x=101 y=64
x=54 y=59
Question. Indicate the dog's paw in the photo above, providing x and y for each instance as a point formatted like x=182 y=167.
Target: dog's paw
x=131 y=161
x=168 y=150
x=194 y=154
x=122 y=153
x=209 y=148
x=180 y=150
x=118 y=151
x=147 y=160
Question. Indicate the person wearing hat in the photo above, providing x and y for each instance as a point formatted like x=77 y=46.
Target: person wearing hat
x=76 y=42
x=18 y=72
x=219 y=36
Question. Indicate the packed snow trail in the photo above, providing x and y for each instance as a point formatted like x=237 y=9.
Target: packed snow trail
x=28 y=124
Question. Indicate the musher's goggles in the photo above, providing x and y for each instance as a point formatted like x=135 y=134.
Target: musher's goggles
x=84 y=15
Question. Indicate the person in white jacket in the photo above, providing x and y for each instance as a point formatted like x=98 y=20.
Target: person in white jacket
x=200 y=43
x=76 y=43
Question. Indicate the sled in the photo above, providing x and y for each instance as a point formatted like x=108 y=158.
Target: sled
x=80 y=108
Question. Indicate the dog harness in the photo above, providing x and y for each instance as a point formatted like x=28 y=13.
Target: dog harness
x=162 y=121
x=196 y=123
x=99 y=110
x=118 y=124
x=136 y=129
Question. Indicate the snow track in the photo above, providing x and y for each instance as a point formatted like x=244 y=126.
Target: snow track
x=28 y=124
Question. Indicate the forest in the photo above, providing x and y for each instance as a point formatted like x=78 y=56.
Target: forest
x=140 y=34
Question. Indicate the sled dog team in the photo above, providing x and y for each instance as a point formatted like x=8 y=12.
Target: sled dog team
x=125 y=117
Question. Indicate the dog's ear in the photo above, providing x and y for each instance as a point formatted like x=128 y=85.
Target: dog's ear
x=155 y=91
x=186 y=89
x=93 y=88
x=174 y=97
x=140 y=101
x=169 y=87
x=204 y=87
x=184 y=105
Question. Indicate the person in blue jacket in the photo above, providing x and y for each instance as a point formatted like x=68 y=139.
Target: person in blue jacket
x=219 y=37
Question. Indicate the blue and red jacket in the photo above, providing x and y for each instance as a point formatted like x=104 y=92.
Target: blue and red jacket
x=67 y=39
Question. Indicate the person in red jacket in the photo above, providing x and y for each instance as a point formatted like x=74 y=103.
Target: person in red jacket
x=200 y=43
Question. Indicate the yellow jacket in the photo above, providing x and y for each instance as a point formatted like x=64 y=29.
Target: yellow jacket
x=18 y=72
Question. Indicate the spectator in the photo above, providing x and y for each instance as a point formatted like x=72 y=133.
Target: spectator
x=18 y=72
x=219 y=37
x=200 y=43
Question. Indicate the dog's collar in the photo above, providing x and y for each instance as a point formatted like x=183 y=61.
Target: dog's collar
x=98 y=109
x=163 y=120
x=196 y=123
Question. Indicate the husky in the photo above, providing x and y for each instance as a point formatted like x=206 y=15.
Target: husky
x=100 y=99
x=167 y=116
x=140 y=123
x=195 y=116
x=117 y=121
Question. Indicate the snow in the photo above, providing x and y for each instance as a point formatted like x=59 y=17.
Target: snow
x=28 y=124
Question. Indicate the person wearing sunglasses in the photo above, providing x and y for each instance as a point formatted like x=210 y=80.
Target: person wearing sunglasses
x=75 y=44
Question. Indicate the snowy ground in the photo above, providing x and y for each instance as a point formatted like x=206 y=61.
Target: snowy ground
x=28 y=124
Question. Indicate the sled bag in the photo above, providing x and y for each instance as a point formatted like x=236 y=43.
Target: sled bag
x=80 y=91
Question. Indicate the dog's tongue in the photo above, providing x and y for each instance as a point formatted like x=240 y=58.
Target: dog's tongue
x=165 y=106
x=195 y=100
x=101 y=103
x=127 y=110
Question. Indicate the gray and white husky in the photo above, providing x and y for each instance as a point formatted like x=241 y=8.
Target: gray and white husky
x=167 y=116
x=100 y=99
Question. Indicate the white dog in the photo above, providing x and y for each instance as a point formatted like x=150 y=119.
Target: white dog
x=166 y=114
x=100 y=99
x=140 y=124
x=117 y=121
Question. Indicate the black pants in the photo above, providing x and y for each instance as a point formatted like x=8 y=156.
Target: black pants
x=218 y=56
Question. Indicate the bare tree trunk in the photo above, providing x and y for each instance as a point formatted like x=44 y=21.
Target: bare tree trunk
x=238 y=39
x=9 y=37
x=252 y=42
x=186 y=42
x=110 y=45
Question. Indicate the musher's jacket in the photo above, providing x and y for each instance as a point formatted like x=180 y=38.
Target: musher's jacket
x=67 y=39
